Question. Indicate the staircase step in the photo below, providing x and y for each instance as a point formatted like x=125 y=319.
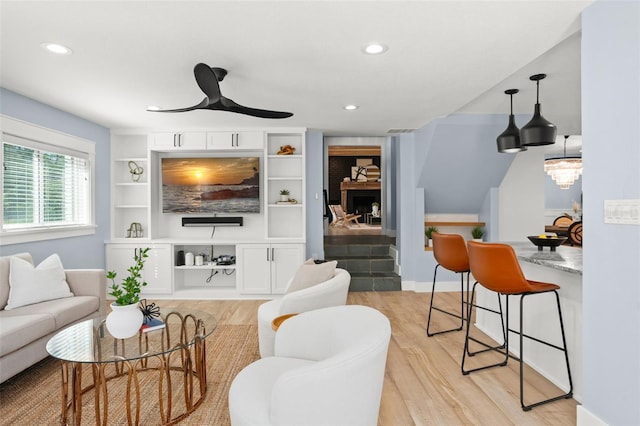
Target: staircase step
x=371 y=266
x=334 y=250
x=365 y=264
x=375 y=281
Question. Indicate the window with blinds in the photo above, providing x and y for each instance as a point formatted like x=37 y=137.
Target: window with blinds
x=43 y=188
x=47 y=181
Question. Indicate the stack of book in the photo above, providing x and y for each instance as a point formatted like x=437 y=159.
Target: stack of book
x=150 y=324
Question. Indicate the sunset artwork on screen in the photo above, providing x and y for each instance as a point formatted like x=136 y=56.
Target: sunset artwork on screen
x=211 y=185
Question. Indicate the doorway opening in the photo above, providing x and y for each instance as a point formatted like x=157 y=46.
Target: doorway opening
x=353 y=181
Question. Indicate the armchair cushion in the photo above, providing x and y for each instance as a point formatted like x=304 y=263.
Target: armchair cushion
x=310 y=274
x=328 y=369
x=332 y=292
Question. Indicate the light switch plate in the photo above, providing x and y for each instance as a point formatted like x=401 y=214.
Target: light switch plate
x=623 y=212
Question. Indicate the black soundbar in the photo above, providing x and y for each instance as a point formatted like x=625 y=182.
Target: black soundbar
x=212 y=221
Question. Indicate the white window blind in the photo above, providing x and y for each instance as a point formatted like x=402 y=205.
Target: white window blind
x=44 y=185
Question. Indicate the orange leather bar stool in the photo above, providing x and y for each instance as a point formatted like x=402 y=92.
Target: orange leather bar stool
x=450 y=251
x=496 y=267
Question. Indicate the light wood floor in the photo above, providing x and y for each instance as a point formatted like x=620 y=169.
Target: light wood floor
x=423 y=384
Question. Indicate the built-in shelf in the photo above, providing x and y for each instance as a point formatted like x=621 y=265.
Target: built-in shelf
x=284 y=156
x=285 y=178
x=126 y=160
x=206 y=267
x=450 y=223
x=130 y=206
x=429 y=223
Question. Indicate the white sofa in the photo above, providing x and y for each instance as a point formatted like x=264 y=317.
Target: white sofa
x=328 y=369
x=332 y=292
x=25 y=331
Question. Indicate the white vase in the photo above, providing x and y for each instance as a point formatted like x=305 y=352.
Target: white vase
x=479 y=240
x=374 y=211
x=284 y=197
x=124 y=321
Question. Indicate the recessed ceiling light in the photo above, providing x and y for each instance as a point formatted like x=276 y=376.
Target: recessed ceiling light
x=375 y=48
x=56 y=48
x=153 y=108
x=351 y=107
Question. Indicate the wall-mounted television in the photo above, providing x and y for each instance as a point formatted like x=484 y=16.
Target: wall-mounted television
x=210 y=185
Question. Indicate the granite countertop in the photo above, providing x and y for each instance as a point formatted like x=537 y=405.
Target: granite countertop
x=565 y=258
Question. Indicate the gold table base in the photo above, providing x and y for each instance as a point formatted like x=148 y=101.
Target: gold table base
x=192 y=365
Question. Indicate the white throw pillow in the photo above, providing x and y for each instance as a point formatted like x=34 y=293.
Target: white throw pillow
x=310 y=274
x=29 y=284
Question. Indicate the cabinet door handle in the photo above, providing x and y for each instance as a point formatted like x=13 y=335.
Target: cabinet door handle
x=179 y=139
x=273 y=258
x=174 y=140
x=268 y=254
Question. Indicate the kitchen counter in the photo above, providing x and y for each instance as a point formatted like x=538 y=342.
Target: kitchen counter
x=565 y=258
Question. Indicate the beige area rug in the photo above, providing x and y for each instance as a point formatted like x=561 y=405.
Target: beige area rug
x=33 y=397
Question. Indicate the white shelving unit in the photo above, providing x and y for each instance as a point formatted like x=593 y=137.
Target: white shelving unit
x=279 y=229
x=285 y=172
x=130 y=199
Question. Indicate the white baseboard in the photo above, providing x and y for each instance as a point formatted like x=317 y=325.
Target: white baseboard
x=585 y=417
x=408 y=285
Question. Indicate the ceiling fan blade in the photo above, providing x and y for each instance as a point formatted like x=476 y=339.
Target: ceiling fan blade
x=231 y=106
x=207 y=81
x=201 y=105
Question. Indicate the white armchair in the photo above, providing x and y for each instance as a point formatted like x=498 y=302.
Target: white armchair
x=328 y=369
x=332 y=292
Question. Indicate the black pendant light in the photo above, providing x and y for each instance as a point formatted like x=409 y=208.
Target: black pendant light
x=509 y=140
x=538 y=131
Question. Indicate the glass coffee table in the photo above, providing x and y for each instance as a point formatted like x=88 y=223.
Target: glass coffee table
x=175 y=353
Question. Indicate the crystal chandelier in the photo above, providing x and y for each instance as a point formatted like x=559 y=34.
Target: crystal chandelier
x=564 y=170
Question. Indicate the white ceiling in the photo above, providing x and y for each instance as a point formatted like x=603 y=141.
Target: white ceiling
x=298 y=56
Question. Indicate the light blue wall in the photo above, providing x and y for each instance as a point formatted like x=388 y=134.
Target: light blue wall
x=390 y=185
x=489 y=215
x=450 y=165
x=314 y=167
x=611 y=154
x=77 y=252
x=462 y=161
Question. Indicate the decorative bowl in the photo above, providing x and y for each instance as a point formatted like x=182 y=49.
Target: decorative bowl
x=550 y=241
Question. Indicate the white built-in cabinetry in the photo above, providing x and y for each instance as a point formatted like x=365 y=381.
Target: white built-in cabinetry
x=268 y=249
x=178 y=141
x=285 y=172
x=278 y=262
x=235 y=140
x=157 y=269
x=129 y=197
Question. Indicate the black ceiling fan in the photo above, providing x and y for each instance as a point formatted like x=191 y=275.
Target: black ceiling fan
x=207 y=78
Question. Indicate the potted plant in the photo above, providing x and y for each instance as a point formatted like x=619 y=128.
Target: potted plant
x=477 y=233
x=375 y=208
x=430 y=230
x=284 y=195
x=125 y=318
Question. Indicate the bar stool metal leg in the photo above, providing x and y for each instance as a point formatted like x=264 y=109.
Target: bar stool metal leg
x=563 y=349
x=461 y=316
x=499 y=348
